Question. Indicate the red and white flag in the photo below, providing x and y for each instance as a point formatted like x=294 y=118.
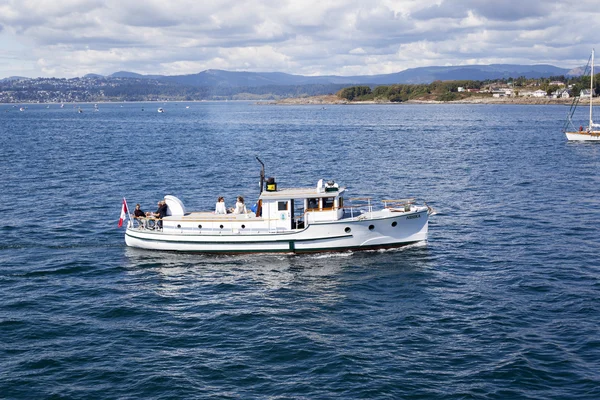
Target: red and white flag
x=123 y=213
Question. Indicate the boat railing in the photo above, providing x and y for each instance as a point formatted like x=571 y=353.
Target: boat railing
x=149 y=223
x=398 y=205
x=361 y=203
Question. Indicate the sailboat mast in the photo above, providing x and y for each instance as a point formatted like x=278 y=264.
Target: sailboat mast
x=591 y=90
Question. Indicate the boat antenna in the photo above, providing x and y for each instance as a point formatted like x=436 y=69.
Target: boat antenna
x=262 y=174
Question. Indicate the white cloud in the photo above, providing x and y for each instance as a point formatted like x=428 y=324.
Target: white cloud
x=357 y=50
x=314 y=37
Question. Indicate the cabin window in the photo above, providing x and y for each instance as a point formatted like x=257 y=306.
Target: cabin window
x=341 y=202
x=328 y=202
x=282 y=205
x=313 y=203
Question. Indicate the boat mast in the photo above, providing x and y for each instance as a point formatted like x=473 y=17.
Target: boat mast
x=591 y=91
x=262 y=175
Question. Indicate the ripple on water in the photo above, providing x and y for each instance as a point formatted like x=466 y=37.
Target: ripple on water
x=502 y=302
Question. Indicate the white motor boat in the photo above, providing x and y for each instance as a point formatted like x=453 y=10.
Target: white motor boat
x=294 y=220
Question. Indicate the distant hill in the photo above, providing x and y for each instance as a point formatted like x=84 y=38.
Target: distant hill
x=467 y=72
x=96 y=76
x=221 y=78
x=216 y=84
x=13 y=78
x=125 y=74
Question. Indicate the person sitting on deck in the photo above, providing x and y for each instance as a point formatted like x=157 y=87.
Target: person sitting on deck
x=240 y=207
x=138 y=213
x=161 y=212
x=220 y=206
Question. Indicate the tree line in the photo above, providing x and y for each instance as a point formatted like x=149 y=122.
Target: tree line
x=448 y=90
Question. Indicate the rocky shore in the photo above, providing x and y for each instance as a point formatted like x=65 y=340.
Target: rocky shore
x=332 y=99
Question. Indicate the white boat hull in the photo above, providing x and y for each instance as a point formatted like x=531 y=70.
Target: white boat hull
x=378 y=230
x=583 y=136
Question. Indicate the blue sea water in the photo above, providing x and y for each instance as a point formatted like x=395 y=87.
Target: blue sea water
x=502 y=302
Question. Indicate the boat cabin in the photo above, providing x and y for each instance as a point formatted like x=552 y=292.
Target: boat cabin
x=297 y=208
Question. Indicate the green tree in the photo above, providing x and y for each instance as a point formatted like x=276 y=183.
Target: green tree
x=353 y=92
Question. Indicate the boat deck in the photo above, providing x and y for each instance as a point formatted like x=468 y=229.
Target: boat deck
x=210 y=216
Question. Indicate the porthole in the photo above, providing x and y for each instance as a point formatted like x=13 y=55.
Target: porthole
x=221 y=226
x=199 y=226
x=243 y=226
x=178 y=226
x=347 y=230
x=394 y=223
x=371 y=227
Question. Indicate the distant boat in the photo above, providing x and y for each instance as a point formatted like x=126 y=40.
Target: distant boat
x=22 y=109
x=591 y=132
x=80 y=111
x=187 y=106
x=160 y=110
x=62 y=106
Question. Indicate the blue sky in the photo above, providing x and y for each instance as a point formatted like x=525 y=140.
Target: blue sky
x=69 y=38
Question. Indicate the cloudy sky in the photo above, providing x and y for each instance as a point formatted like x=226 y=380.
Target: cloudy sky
x=69 y=38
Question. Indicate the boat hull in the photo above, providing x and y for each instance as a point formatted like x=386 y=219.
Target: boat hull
x=347 y=234
x=583 y=136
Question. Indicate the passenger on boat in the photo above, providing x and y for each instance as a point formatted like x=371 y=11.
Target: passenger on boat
x=220 y=206
x=138 y=213
x=240 y=207
x=161 y=212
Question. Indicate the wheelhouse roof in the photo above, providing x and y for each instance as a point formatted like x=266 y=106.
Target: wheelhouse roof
x=299 y=193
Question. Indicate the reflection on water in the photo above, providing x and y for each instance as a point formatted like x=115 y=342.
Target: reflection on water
x=324 y=278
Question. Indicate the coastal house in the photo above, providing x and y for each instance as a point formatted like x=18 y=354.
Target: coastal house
x=561 y=94
x=587 y=93
x=526 y=93
x=540 y=93
x=502 y=92
x=460 y=89
x=557 y=83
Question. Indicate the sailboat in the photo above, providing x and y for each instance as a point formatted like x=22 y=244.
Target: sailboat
x=592 y=131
